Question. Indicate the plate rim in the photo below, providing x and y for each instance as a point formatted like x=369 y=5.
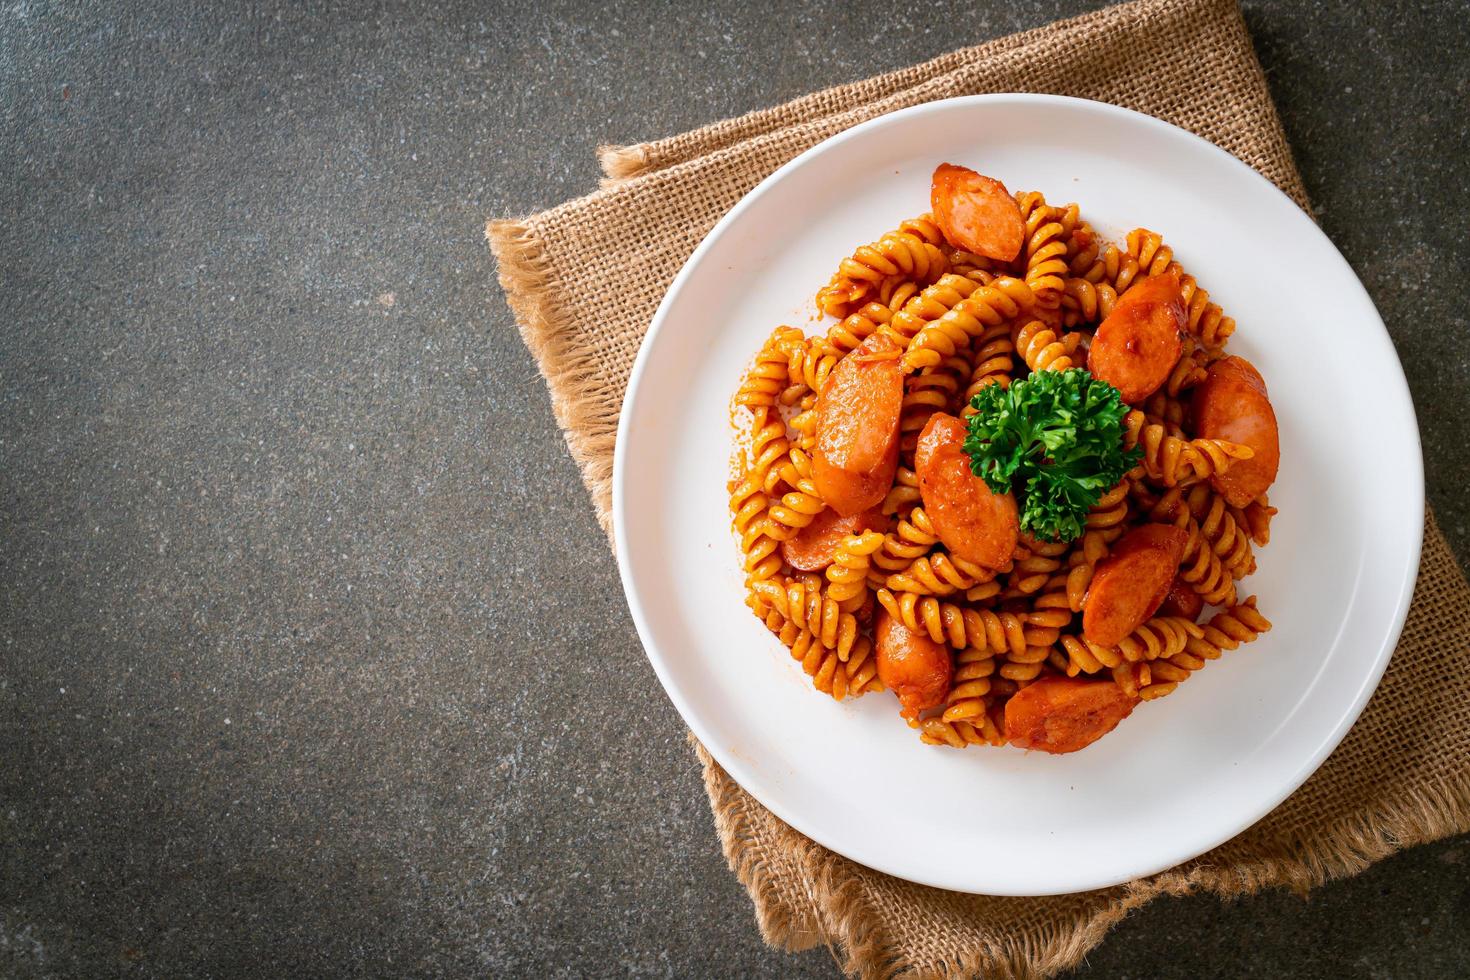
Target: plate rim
x=735 y=766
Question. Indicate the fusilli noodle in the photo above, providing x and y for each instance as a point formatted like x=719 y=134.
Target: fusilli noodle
x=1045 y=251
x=1042 y=349
x=847 y=576
x=1171 y=461
x=988 y=306
x=911 y=252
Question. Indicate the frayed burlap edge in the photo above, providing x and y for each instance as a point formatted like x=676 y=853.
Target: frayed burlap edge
x=528 y=278
x=843 y=912
x=623 y=162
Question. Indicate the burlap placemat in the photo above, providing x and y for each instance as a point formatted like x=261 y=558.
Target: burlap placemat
x=584 y=280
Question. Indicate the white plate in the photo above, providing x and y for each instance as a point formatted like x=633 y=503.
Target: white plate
x=1182 y=774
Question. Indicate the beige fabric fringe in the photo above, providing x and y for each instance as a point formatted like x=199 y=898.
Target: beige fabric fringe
x=585 y=278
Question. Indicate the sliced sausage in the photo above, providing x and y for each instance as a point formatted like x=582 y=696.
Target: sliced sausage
x=1064 y=714
x=1138 y=344
x=1231 y=403
x=1182 y=601
x=912 y=666
x=815 y=546
x=1132 y=582
x=856 y=451
x=973 y=522
x=977 y=213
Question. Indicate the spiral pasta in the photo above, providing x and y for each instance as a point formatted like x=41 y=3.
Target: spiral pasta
x=1070 y=218
x=1204 y=320
x=759 y=556
x=986 y=729
x=994 y=362
x=1115 y=267
x=987 y=306
x=1045 y=250
x=1051 y=606
x=896 y=292
x=939 y=574
x=1147 y=248
x=801 y=601
x=1083 y=249
x=858 y=325
x=766 y=379
x=934 y=389
x=1202 y=570
x=1025 y=665
x=1034 y=566
x=976 y=267
x=799 y=506
x=1084 y=301
x=1256 y=515
x=909 y=253
x=929 y=304
x=1188 y=372
x=803 y=426
x=1090 y=549
x=1160 y=637
x=904 y=495
x=1172 y=461
x=1227 y=630
x=1227 y=538
x=847 y=576
x=809 y=362
x=972 y=672
x=960 y=322
x=1160 y=409
x=1042 y=349
x=962 y=625
x=1111 y=509
x=910 y=540
x=841 y=676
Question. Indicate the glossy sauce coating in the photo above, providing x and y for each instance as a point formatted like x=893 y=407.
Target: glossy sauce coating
x=857 y=410
x=1138 y=344
x=973 y=522
x=1232 y=404
x=912 y=666
x=1132 y=582
x=976 y=213
x=1064 y=714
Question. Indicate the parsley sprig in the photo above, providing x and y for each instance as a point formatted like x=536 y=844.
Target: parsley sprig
x=1055 y=438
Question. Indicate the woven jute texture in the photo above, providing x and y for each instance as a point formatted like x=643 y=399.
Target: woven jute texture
x=584 y=279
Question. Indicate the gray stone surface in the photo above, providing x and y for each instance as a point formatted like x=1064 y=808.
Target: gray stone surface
x=312 y=659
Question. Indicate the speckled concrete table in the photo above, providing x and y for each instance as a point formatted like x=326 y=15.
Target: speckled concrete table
x=312 y=657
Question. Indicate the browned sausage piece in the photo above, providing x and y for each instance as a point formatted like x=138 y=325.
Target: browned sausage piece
x=1132 y=582
x=977 y=213
x=1182 y=601
x=972 y=521
x=1138 y=344
x=856 y=450
x=1231 y=403
x=912 y=666
x=1064 y=714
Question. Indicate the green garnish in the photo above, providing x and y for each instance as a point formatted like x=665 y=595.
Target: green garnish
x=1055 y=438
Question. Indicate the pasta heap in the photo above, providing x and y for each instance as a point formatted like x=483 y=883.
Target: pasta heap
x=882 y=562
